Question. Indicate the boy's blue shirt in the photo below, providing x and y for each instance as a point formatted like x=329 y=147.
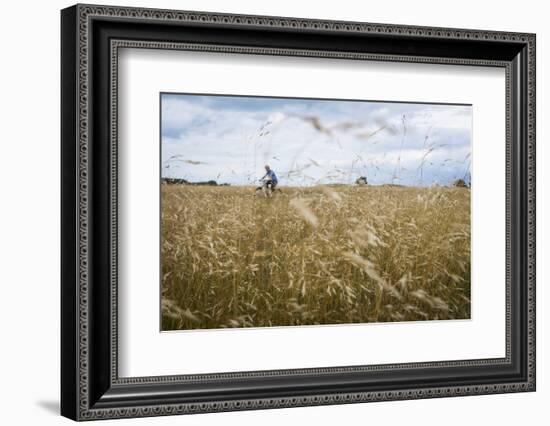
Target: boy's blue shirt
x=272 y=176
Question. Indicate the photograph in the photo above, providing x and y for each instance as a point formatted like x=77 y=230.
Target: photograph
x=279 y=211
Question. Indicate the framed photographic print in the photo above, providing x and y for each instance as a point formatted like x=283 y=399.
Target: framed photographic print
x=263 y=212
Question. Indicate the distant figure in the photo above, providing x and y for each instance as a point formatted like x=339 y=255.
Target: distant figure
x=362 y=180
x=270 y=178
x=269 y=182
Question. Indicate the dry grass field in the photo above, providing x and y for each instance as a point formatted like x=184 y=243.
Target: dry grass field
x=317 y=255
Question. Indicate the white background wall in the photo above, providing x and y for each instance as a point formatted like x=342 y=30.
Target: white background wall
x=29 y=212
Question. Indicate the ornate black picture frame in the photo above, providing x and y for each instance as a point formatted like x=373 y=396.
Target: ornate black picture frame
x=90 y=38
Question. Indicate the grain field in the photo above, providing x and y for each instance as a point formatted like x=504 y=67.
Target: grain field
x=315 y=255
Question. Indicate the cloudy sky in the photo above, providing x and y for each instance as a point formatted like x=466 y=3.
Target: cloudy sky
x=230 y=138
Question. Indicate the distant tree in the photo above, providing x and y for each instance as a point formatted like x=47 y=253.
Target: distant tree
x=460 y=183
x=175 y=181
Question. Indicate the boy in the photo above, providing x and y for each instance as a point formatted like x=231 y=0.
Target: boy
x=271 y=180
